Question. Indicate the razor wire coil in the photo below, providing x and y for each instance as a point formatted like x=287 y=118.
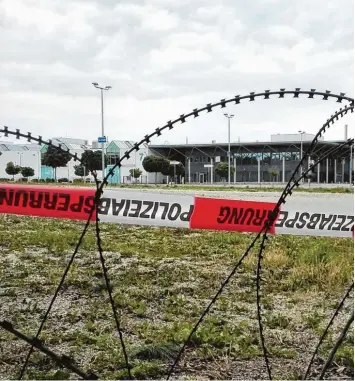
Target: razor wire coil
x=291 y=184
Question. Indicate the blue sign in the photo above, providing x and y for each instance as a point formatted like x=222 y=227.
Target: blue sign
x=101 y=139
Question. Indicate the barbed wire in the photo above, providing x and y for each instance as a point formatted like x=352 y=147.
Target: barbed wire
x=109 y=291
x=258 y=303
x=60 y=360
x=18 y=134
x=337 y=345
x=263 y=232
x=268 y=223
x=325 y=332
x=262 y=248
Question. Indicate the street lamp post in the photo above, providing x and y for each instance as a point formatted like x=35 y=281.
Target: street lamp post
x=229 y=116
x=102 y=123
x=301 y=133
x=20 y=153
x=351 y=165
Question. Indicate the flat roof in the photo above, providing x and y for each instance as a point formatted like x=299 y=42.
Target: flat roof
x=250 y=144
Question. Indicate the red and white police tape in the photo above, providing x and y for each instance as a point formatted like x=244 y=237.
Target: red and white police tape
x=320 y=218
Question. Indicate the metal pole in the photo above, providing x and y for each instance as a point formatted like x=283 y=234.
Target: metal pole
x=258 y=169
x=335 y=171
x=189 y=169
x=301 y=168
x=342 y=170
x=229 y=116
x=318 y=173
x=96 y=85
x=283 y=169
x=229 y=151
x=351 y=165
x=327 y=170
x=235 y=169
x=103 y=134
x=39 y=165
x=308 y=165
x=211 y=170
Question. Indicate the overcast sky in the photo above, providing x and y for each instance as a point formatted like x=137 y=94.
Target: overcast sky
x=165 y=57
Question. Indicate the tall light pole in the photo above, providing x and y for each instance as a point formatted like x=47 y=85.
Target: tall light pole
x=229 y=117
x=301 y=133
x=102 y=123
x=20 y=153
x=351 y=165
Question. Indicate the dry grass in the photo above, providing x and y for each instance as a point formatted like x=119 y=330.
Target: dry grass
x=162 y=280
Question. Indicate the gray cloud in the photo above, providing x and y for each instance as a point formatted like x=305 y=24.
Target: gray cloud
x=163 y=55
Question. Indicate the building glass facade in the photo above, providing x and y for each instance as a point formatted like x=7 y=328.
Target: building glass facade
x=258 y=162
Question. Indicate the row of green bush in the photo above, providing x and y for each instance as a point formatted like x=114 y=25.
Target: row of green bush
x=61 y=180
x=25 y=179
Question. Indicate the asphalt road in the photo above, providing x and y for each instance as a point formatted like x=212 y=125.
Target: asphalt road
x=337 y=202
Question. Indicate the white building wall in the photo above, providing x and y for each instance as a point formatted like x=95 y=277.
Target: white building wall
x=135 y=161
x=293 y=137
x=159 y=179
x=21 y=158
x=33 y=159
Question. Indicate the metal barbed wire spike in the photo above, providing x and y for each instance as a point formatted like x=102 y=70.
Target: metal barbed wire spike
x=195 y=113
x=6 y=131
x=287 y=191
x=337 y=345
x=335 y=314
x=62 y=360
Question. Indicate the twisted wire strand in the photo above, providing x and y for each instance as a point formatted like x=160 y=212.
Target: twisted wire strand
x=18 y=134
x=337 y=345
x=40 y=141
x=251 y=96
x=262 y=248
x=109 y=290
x=60 y=360
x=287 y=191
x=56 y=293
x=326 y=95
x=258 y=304
x=325 y=332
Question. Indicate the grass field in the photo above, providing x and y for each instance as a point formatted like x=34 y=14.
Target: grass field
x=162 y=280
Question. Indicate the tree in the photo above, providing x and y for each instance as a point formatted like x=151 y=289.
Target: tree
x=180 y=170
x=155 y=164
x=273 y=173
x=309 y=177
x=12 y=169
x=92 y=160
x=174 y=170
x=135 y=173
x=55 y=157
x=27 y=172
x=222 y=170
x=80 y=170
x=162 y=164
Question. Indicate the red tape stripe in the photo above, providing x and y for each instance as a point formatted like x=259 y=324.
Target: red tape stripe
x=231 y=215
x=55 y=202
